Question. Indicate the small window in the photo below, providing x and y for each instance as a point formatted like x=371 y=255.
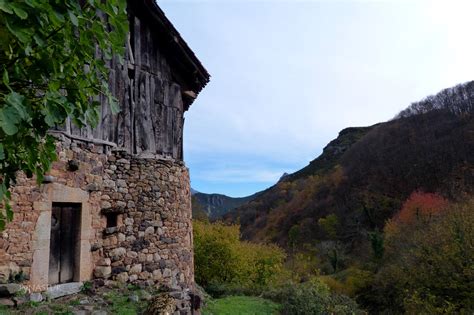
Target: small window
x=112 y=220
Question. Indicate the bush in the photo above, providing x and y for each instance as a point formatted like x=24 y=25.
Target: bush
x=215 y=253
x=311 y=297
x=349 y=281
x=223 y=263
x=303 y=264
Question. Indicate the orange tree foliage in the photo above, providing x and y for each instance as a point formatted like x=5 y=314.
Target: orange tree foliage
x=428 y=267
x=421 y=206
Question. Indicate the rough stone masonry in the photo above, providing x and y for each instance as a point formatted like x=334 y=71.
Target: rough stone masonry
x=148 y=198
x=116 y=206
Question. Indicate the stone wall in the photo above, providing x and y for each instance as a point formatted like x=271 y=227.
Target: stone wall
x=153 y=239
x=147 y=200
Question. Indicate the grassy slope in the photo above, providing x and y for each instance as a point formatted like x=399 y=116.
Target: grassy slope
x=241 y=305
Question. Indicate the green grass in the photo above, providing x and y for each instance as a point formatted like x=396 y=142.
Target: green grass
x=240 y=305
x=120 y=304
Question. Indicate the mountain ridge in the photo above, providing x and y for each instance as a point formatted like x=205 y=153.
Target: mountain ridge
x=364 y=175
x=216 y=205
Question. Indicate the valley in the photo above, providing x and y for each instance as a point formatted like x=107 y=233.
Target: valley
x=377 y=195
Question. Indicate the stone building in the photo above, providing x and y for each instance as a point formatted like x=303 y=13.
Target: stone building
x=117 y=204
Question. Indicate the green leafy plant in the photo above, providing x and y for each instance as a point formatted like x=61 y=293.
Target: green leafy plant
x=53 y=65
x=87 y=287
x=22 y=292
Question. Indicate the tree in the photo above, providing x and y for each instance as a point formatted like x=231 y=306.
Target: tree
x=421 y=206
x=377 y=244
x=293 y=237
x=53 y=63
x=329 y=225
x=428 y=268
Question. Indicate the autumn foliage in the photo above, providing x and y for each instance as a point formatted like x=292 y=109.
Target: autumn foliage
x=427 y=267
x=222 y=259
x=421 y=206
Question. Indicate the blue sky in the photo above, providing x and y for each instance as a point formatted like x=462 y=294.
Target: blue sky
x=287 y=76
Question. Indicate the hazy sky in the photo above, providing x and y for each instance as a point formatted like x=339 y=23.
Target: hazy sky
x=287 y=76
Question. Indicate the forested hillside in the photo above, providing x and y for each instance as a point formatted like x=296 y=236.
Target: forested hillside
x=364 y=175
x=386 y=212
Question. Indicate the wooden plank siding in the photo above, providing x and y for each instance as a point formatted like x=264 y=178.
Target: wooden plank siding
x=152 y=112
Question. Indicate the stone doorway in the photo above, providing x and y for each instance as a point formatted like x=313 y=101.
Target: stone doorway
x=53 y=195
x=64 y=255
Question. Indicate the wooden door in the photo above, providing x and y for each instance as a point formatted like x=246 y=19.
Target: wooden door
x=65 y=227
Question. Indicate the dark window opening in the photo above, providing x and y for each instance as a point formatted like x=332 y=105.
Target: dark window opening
x=112 y=220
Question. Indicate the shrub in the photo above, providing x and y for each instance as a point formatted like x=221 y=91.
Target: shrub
x=215 y=254
x=349 y=281
x=303 y=264
x=342 y=305
x=301 y=298
x=311 y=298
x=225 y=264
x=335 y=285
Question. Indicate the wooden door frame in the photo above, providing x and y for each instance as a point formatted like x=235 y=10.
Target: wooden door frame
x=58 y=193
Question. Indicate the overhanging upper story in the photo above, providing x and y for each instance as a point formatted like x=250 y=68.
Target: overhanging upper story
x=158 y=81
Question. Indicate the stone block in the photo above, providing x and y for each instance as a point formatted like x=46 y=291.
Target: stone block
x=132 y=254
x=64 y=289
x=117 y=253
x=136 y=269
x=103 y=272
x=106 y=205
x=10 y=289
x=166 y=273
x=7 y=302
x=8 y=270
x=104 y=262
x=36 y=297
x=122 y=277
x=149 y=230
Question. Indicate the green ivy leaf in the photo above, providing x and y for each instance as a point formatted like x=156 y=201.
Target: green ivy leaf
x=39 y=41
x=2 y=153
x=50 y=117
x=58 y=16
x=23 y=34
x=5 y=7
x=73 y=18
x=19 y=10
x=16 y=101
x=9 y=119
x=6 y=79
